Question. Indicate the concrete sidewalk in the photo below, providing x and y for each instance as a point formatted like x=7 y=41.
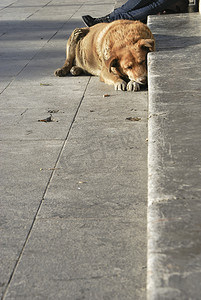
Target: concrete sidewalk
x=74 y=190
x=119 y=3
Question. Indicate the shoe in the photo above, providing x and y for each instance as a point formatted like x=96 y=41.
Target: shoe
x=89 y=21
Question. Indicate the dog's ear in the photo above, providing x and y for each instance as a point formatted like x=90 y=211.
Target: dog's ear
x=112 y=62
x=148 y=44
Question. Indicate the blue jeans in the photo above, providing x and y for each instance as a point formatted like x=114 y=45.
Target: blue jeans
x=139 y=9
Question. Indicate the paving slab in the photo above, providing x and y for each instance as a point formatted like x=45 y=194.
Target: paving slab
x=119 y=3
x=174 y=161
x=22 y=187
x=81 y=267
x=73 y=197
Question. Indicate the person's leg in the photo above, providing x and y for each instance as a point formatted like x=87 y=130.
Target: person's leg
x=132 y=5
x=132 y=10
x=128 y=6
x=140 y=13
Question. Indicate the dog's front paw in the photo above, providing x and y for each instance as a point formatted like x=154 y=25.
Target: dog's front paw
x=133 y=86
x=120 y=86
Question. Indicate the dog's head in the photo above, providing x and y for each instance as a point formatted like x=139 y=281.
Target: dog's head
x=131 y=61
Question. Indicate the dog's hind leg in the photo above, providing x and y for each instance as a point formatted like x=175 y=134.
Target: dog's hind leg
x=77 y=34
x=75 y=71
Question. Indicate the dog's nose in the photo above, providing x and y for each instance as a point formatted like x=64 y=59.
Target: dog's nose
x=142 y=80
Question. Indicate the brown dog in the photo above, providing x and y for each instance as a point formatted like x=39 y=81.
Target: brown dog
x=116 y=52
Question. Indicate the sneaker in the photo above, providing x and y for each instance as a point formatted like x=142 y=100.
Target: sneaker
x=89 y=21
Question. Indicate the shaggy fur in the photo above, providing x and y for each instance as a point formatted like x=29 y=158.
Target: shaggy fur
x=116 y=52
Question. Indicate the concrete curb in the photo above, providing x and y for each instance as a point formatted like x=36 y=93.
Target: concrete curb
x=174 y=161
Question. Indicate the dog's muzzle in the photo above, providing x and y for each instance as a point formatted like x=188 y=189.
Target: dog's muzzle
x=142 y=80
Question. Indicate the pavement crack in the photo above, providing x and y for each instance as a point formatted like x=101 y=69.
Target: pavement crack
x=22 y=115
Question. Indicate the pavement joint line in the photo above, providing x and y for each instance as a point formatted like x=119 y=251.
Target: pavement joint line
x=40 y=48
x=65 y=142
x=36 y=53
x=44 y=193
x=1 y=92
x=64 y=23
x=7 y=6
x=2 y=34
x=33 y=13
x=31 y=140
x=38 y=9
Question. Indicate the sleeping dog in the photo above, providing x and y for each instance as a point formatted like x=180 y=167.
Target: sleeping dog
x=116 y=52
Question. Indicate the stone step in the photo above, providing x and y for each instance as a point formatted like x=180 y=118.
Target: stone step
x=174 y=158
